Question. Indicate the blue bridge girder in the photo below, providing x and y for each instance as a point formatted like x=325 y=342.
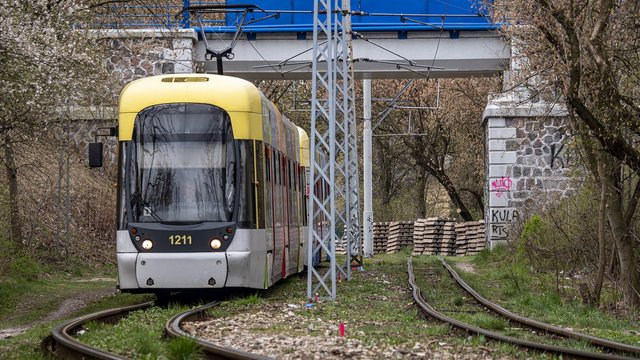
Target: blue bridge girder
x=406 y=39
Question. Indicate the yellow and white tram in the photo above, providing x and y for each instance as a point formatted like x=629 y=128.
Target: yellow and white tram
x=211 y=186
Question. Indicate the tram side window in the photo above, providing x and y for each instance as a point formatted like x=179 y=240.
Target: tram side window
x=276 y=182
x=302 y=205
x=300 y=191
x=276 y=179
x=258 y=185
x=292 y=217
x=303 y=195
x=296 y=188
x=293 y=192
x=246 y=215
x=268 y=162
x=283 y=194
x=267 y=187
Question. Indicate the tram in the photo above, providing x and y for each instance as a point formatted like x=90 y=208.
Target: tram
x=211 y=186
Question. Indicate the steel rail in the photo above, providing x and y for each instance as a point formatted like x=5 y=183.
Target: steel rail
x=211 y=351
x=604 y=343
x=430 y=311
x=62 y=344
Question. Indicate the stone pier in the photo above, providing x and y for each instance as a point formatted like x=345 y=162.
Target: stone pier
x=526 y=147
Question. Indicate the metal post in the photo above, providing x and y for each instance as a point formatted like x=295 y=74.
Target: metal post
x=354 y=174
x=332 y=121
x=354 y=234
x=322 y=212
x=367 y=161
x=346 y=201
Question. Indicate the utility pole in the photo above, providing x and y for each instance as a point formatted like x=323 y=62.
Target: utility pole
x=367 y=214
x=333 y=148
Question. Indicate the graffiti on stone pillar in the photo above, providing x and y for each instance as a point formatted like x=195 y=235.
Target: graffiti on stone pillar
x=504 y=215
x=556 y=158
x=501 y=185
x=498 y=232
x=499 y=221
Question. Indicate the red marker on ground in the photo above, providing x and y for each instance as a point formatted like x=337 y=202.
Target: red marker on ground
x=341 y=329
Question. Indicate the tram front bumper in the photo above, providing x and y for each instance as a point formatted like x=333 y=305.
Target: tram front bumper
x=172 y=270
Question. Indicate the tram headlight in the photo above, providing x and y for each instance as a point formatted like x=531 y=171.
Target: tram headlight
x=215 y=244
x=147 y=244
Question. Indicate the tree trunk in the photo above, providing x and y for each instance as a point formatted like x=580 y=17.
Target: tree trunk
x=421 y=184
x=624 y=243
x=596 y=163
x=461 y=208
x=597 y=285
x=478 y=198
x=11 y=172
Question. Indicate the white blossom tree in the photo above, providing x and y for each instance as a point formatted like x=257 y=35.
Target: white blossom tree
x=48 y=64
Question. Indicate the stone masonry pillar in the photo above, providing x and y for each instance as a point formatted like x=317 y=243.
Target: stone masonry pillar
x=526 y=158
x=138 y=53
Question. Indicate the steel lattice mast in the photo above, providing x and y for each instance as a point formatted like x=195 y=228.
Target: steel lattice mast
x=347 y=98
x=331 y=197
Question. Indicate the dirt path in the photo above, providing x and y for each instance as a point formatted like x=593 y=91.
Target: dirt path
x=466 y=267
x=69 y=306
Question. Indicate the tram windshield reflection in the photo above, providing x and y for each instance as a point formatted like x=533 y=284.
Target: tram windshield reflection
x=181 y=165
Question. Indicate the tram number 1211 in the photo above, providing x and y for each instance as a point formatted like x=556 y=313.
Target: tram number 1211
x=180 y=239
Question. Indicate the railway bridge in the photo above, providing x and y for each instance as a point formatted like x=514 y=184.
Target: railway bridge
x=288 y=40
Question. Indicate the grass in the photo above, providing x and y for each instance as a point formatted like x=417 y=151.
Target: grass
x=138 y=334
x=25 y=301
x=525 y=293
x=529 y=294
x=29 y=289
x=375 y=305
x=27 y=345
x=183 y=349
x=485 y=321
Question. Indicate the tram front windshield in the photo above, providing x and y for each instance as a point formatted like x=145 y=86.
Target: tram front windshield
x=181 y=165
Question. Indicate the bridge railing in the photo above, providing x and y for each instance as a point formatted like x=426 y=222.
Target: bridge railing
x=143 y=14
x=296 y=15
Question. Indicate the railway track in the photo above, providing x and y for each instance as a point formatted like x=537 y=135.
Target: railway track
x=173 y=328
x=534 y=324
x=544 y=328
x=63 y=344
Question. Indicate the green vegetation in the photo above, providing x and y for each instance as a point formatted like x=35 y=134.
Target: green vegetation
x=183 y=349
x=138 y=334
x=253 y=299
x=375 y=306
x=27 y=345
x=23 y=301
x=507 y=279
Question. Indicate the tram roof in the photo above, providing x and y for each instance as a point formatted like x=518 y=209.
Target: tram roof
x=238 y=97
